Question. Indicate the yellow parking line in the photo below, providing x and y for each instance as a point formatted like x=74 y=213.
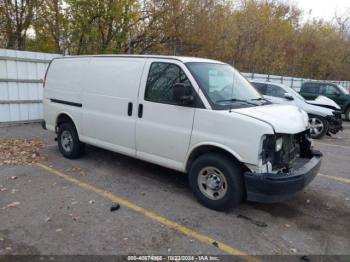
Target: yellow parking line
x=170 y=224
x=336 y=178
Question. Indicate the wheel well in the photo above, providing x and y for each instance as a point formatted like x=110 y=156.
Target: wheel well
x=62 y=118
x=197 y=152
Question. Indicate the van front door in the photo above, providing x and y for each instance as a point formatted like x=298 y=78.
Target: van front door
x=163 y=127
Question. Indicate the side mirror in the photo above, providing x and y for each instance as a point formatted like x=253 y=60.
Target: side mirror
x=182 y=94
x=288 y=96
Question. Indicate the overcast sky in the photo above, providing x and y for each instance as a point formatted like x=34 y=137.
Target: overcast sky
x=325 y=9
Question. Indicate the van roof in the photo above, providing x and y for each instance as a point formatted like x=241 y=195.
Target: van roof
x=184 y=59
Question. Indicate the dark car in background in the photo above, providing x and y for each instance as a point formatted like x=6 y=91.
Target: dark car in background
x=311 y=90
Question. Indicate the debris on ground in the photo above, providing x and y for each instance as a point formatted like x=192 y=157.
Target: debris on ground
x=74 y=217
x=82 y=173
x=215 y=244
x=59 y=230
x=76 y=169
x=48 y=219
x=13 y=177
x=20 y=152
x=13 y=204
x=115 y=207
x=72 y=169
x=253 y=221
x=305 y=258
x=92 y=202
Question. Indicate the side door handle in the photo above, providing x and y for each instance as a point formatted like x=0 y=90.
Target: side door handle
x=130 y=109
x=140 y=112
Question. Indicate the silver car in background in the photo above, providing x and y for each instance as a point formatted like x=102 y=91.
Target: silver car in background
x=324 y=113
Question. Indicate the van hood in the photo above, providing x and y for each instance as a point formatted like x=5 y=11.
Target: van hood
x=324 y=101
x=285 y=119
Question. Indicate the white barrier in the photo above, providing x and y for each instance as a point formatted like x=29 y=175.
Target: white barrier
x=21 y=77
x=293 y=82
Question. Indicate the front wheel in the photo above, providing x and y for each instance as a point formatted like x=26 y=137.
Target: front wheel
x=216 y=181
x=318 y=126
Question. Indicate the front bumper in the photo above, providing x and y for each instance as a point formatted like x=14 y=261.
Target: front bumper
x=270 y=188
x=335 y=122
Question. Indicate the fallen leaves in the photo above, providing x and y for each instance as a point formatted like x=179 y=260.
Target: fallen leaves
x=77 y=170
x=20 y=152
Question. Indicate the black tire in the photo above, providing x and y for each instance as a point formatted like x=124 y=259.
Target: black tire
x=324 y=122
x=347 y=114
x=234 y=177
x=77 y=147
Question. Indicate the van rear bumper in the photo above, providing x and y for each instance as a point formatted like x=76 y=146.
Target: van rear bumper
x=270 y=188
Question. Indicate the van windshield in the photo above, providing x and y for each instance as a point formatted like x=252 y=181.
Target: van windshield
x=224 y=86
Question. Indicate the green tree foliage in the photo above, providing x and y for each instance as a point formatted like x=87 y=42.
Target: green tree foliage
x=265 y=36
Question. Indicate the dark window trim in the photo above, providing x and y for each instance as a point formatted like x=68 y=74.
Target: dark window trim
x=66 y=103
x=198 y=103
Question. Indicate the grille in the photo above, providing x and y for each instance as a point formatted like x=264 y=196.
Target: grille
x=289 y=149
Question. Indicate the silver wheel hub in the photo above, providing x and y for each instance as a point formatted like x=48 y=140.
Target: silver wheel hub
x=212 y=183
x=67 y=141
x=316 y=126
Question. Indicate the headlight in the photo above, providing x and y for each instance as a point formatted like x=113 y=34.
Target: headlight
x=279 y=143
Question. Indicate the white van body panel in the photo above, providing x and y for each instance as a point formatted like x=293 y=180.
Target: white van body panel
x=230 y=131
x=109 y=86
x=63 y=82
x=285 y=119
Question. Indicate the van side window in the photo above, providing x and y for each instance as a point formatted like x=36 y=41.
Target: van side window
x=161 y=80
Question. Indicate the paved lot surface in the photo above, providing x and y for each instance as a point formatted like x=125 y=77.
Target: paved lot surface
x=64 y=208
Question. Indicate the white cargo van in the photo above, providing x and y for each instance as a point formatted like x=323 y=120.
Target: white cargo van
x=193 y=115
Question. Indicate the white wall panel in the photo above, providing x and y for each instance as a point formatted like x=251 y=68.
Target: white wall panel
x=21 y=74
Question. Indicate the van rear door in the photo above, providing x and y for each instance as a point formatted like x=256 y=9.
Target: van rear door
x=163 y=127
x=111 y=87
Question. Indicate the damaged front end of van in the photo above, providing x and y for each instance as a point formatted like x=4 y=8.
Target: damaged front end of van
x=287 y=164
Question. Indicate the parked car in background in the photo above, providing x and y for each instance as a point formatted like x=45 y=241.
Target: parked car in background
x=311 y=90
x=324 y=114
x=193 y=115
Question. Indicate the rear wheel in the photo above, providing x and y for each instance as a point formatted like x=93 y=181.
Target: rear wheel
x=216 y=181
x=318 y=126
x=68 y=141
